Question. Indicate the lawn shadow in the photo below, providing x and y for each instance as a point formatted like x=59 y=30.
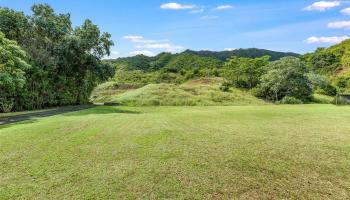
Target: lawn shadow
x=66 y=111
x=32 y=117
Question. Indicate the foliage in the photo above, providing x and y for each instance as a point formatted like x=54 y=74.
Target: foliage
x=245 y=53
x=322 y=99
x=290 y=100
x=342 y=82
x=323 y=61
x=245 y=72
x=12 y=72
x=201 y=92
x=285 y=77
x=66 y=61
x=321 y=84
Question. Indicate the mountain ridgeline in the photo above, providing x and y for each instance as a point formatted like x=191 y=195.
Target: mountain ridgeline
x=245 y=53
x=193 y=59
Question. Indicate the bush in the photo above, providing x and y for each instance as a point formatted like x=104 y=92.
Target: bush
x=225 y=87
x=6 y=106
x=290 y=100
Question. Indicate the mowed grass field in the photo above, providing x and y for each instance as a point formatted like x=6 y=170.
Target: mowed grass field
x=238 y=152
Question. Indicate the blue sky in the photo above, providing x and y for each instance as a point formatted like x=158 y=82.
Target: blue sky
x=153 y=26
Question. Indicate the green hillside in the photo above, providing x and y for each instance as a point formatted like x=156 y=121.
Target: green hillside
x=193 y=59
x=202 y=92
x=245 y=53
x=334 y=63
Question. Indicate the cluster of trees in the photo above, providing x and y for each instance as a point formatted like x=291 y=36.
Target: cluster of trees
x=177 y=68
x=283 y=78
x=44 y=61
x=326 y=71
x=274 y=81
x=246 y=53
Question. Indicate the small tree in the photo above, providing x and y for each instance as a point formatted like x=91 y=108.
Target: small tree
x=245 y=72
x=285 y=77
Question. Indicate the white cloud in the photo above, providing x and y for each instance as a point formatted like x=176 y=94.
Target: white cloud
x=323 y=5
x=197 y=11
x=161 y=45
x=164 y=46
x=346 y=11
x=224 y=7
x=208 y=17
x=339 y=25
x=176 y=6
x=139 y=39
x=333 y=40
x=142 y=52
x=229 y=49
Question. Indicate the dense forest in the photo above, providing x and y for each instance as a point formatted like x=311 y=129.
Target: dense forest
x=44 y=61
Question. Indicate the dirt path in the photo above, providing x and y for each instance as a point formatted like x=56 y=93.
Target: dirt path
x=47 y=113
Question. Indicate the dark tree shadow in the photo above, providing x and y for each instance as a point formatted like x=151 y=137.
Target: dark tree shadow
x=47 y=113
x=66 y=111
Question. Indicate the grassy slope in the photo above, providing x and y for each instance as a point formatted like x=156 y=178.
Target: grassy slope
x=265 y=152
x=203 y=92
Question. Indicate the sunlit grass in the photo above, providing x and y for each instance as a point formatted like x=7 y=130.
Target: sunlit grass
x=239 y=152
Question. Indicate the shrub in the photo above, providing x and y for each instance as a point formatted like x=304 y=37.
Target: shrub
x=290 y=100
x=225 y=87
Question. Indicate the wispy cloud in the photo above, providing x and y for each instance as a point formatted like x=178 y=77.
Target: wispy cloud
x=142 y=52
x=322 y=5
x=346 y=11
x=177 y=6
x=229 y=49
x=162 y=45
x=224 y=7
x=141 y=39
x=196 y=11
x=332 y=40
x=339 y=25
x=209 y=17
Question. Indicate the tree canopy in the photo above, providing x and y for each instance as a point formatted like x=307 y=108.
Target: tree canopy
x=245 y=72
x=65 y=61
x=285 y=77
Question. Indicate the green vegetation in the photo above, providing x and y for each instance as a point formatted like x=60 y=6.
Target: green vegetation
x=245 y=72
x=202 y=92
x=240 y=152
x=64 y=63
x=285 y=78
x=245 y=53
x=12 y=67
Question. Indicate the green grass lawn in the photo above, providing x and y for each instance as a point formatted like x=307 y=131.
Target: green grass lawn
x=239 y=152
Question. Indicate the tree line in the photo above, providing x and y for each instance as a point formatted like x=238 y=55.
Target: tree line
x=44 y=61
x=284 y=79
